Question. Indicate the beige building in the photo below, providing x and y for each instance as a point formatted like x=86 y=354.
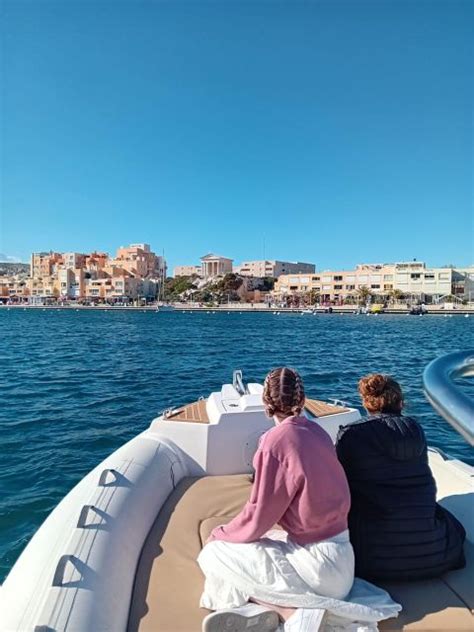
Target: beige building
x=273 y=268
x=43 y=264
x=214 y=265
x=14 y=288
x=135 y=272
x=409 y=280
x=187 y=271
x=138 y=259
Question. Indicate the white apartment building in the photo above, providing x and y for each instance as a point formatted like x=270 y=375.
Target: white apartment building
x=413 y=280
x=186 y=271
x=273 y=268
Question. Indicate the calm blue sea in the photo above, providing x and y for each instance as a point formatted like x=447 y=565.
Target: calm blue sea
x=76 y=385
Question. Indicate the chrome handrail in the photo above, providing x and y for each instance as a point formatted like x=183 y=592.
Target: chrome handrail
x=238 y=382
x=447 y=399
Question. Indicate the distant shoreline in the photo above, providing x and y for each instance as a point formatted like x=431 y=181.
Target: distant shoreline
x=340 y=309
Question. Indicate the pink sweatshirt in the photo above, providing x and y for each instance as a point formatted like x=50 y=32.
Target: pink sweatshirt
x=299 y=484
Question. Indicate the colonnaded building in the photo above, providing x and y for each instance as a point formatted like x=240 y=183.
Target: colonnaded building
x=213 y=265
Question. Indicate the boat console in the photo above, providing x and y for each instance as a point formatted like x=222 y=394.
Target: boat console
x=220 y=435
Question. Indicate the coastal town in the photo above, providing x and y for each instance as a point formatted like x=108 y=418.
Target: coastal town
x=137 y=277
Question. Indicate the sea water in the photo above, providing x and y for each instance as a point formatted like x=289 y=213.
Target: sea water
x=75 y=385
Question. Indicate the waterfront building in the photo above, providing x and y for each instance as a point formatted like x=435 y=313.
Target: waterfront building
x=273 y=268
x=187 y=271
x=138 y=259
x=43 y=264
x=73 y=260
x=14 y=288
x=96 y=261
x=463 y=283
x=135 y=272
x=213 y=265
x=411 y=281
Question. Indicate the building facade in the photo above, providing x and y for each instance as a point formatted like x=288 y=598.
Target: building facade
x=213 y=265
x=409 y=281
x=273 y=268
x=135 y=272
x=187 y=271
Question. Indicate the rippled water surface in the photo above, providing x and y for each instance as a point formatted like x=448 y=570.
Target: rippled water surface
x=76 y=385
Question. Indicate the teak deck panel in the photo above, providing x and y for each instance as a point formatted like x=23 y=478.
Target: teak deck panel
x=197 y=413
x=321 y=409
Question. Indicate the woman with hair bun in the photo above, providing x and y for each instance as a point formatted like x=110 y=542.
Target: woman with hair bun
x=397 y=529
x=300 y=485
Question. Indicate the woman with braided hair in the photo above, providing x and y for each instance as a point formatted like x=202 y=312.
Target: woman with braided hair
x=299 y=485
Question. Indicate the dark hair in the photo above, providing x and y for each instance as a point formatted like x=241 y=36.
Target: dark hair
x=283 y=392
x=381 y=393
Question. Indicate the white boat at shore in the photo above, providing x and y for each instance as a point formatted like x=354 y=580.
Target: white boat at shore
x=119 y=551
x=165 y=307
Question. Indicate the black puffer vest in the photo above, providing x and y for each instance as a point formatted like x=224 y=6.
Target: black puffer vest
x=397 y=529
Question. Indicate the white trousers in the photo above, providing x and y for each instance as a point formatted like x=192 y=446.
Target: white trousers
x=276 y=571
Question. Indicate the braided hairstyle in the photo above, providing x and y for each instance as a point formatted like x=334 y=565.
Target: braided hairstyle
x=381 y=394
x=283 y=393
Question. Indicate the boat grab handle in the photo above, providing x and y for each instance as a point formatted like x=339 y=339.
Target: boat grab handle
x=445 y=397
x=82 y=521
x=58 y=577
x=104 y=478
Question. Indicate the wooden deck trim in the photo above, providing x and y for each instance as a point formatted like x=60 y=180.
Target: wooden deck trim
x=321 y=409
x=192 y=413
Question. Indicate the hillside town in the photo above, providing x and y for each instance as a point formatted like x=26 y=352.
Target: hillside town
x=136 y=275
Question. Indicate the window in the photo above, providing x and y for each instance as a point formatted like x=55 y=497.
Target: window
x=338 y=287
x=375 y=287
x=293 y=287
x=388 y=286
x=338 y=278
x=388 y=277
x=316 y=278
x=350 y=287
x=415 y=276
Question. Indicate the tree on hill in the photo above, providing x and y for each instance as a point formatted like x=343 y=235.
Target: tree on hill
x=177 y=286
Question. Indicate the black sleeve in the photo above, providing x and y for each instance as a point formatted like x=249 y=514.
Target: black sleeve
x=342 y=445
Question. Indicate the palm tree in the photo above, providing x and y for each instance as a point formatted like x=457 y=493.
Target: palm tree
x=395 y=295
x=314 y=297
x=364 y=294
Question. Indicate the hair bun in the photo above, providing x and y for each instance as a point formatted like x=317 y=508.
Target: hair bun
x=381 y=393
x=376 y=384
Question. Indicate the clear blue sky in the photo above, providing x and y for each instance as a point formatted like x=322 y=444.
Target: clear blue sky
x=336 y=132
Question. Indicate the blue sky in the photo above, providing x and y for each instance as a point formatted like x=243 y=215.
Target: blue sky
x=332 y=132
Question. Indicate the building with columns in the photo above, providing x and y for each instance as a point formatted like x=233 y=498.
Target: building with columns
x=213 y=265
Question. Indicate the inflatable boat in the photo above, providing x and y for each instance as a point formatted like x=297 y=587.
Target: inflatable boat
x=119 y=551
